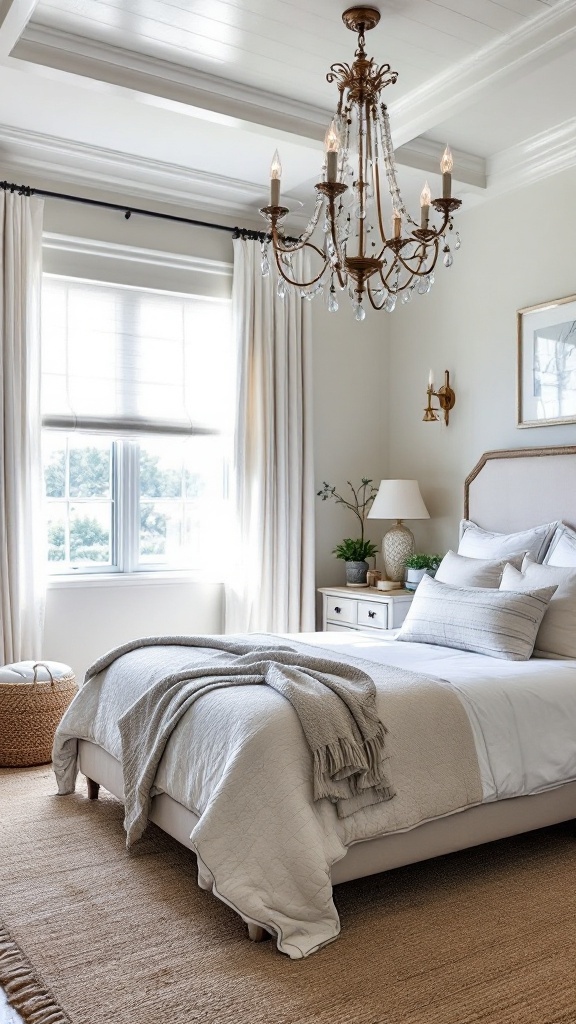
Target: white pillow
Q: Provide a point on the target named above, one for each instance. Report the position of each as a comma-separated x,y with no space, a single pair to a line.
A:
478,543
499,623
557,634
562,550
461,571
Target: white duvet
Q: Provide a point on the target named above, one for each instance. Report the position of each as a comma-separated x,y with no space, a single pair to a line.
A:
522,713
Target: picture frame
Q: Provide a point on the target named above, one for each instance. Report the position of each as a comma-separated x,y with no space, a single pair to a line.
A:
546,393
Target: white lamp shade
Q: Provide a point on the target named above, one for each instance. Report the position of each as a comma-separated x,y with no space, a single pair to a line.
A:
398,499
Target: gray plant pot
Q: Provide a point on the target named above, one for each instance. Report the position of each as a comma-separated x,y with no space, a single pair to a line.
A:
356,572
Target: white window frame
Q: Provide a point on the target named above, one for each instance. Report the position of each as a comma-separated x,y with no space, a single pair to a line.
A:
212,275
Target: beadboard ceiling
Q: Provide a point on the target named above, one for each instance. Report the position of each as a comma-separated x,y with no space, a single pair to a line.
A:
186,101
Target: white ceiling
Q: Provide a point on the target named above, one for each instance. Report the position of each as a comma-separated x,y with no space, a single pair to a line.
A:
187,100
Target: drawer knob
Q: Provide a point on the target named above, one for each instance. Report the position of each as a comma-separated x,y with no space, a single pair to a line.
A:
337,610
371,615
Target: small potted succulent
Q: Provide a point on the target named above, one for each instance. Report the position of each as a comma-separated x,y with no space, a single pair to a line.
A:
419,565
355,553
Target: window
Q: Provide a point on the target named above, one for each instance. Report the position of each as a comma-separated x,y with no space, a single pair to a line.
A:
137,398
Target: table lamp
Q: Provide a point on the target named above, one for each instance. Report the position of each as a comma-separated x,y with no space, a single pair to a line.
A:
398,499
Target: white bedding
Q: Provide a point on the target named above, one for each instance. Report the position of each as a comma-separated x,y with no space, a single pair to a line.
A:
522,713
266,845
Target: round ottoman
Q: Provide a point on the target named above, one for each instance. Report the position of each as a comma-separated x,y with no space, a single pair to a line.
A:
33,698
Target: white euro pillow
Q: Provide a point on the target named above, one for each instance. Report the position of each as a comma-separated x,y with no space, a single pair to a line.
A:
478,543
562,549
498,623
556,636
462,571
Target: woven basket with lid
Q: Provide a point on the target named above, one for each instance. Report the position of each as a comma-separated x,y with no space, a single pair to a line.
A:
33,698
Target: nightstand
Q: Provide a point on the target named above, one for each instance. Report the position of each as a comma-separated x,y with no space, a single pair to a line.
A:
369,610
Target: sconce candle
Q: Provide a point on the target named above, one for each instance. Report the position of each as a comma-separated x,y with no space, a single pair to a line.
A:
446,166
275,175
446,400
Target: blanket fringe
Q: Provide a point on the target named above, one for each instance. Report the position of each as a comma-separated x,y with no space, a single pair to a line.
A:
25,992
361,765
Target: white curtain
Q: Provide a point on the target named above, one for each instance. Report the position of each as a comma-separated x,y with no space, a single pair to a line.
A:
271,581
21,543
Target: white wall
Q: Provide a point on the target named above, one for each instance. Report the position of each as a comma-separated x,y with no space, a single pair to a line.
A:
86,619
350,428
517,250
349,439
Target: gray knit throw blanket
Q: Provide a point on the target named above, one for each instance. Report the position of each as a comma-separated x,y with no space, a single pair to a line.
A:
335,704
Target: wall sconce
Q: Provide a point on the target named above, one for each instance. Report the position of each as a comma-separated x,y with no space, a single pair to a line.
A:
446,399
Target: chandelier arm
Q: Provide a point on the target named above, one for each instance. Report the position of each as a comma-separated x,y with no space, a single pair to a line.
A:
372,300
422,257
438,232
302,240
299,284
410,270
384,277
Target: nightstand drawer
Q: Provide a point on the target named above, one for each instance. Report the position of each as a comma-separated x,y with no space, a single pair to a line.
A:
341,609
373,613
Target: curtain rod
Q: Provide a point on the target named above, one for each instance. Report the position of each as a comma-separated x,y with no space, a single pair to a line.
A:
236,232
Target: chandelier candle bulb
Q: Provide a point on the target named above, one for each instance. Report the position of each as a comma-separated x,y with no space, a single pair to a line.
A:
446,166
275,175
425,200
397,225
332,146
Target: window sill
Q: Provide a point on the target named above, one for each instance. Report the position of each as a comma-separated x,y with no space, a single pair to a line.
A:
134,579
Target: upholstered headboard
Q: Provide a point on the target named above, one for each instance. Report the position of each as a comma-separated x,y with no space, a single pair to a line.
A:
513,490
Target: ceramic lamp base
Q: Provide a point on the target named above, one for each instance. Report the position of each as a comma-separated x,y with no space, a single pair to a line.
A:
397,546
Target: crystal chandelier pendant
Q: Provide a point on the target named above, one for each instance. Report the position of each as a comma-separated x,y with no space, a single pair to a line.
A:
365,240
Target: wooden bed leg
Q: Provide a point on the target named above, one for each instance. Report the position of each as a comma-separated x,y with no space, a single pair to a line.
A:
256,933
93,788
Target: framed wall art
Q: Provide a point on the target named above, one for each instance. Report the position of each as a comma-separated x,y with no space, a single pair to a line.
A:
547,363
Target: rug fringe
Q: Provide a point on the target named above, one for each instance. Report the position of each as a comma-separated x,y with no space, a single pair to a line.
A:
25,992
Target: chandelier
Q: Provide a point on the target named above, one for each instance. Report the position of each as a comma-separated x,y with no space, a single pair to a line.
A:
373,256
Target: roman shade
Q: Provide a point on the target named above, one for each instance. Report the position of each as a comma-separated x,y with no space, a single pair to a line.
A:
127,360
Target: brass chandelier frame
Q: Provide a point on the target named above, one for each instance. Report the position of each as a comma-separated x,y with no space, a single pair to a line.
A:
385,264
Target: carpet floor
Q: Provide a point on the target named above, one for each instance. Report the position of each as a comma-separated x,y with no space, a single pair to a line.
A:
486,936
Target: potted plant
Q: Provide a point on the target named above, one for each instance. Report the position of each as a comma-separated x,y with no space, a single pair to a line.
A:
354,551
417,565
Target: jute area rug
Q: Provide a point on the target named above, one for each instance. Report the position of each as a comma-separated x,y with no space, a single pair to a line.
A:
98,936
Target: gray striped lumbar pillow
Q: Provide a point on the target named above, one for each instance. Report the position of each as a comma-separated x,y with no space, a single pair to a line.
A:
499,623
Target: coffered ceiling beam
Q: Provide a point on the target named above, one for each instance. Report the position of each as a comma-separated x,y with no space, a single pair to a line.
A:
209,96
14,16
537,42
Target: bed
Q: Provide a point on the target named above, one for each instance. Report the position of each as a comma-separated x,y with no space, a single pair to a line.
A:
507,492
